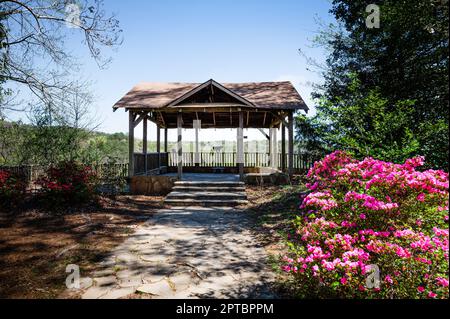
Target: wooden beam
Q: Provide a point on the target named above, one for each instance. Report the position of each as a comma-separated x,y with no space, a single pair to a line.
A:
139,119
158,144
131,144
166,143
264,121
274,148
197,149
270,146
144,144
206,84
291,144
214,118
240,146
280,118
144,136
248,117
179,145
158,139
264,133
162,119
283,148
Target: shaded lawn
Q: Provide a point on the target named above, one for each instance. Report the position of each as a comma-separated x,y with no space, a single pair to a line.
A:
36,246
274,209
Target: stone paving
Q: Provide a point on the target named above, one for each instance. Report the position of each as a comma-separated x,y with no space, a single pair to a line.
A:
186,252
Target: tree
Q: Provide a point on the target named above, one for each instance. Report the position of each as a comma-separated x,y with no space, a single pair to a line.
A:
32,47
365,125
405,60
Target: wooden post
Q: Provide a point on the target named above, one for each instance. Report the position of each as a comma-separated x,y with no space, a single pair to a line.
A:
165,140
240,146
283,148
270,147
158,145
291,144
130,143
144,143
197,126
180,145
274,148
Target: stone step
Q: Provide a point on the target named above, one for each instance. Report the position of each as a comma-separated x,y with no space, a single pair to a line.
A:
206,195
205,203
209,184
208,188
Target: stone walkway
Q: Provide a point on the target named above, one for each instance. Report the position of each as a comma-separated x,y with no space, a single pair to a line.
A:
186,253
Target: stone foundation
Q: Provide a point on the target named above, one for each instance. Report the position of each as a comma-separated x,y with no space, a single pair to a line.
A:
265,175
151,185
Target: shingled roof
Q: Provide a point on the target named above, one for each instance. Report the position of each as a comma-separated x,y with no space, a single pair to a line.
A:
260,95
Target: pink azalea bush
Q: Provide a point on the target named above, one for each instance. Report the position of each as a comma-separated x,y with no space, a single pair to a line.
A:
12,189
370,212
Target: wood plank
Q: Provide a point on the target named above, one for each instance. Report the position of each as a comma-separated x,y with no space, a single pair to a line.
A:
141,117
291,144
144,144
158,144
283,148
162,119
241,145
131,117
166,142
180,145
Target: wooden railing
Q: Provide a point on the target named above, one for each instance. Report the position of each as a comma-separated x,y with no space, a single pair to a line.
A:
155,161
228,159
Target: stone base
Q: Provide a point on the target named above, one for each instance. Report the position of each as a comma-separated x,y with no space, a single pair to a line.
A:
151,185
265,175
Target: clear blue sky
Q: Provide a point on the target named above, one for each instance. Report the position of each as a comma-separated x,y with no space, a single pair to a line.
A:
195,40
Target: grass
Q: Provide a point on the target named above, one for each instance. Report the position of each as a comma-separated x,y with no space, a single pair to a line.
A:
274,208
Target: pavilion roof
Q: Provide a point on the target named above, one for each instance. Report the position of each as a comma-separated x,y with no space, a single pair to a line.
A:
259,95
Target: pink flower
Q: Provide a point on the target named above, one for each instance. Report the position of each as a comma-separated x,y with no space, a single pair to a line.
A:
432,294
442,281
421,197
420,289
362,216
388,279
343,280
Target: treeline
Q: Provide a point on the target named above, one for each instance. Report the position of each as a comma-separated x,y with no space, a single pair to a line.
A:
26,144
42,145
385,92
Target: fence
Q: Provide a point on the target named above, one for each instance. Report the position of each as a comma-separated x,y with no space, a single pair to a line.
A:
112,173
228,159
107,173
154,162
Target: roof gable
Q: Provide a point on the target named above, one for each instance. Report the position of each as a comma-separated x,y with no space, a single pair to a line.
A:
210,92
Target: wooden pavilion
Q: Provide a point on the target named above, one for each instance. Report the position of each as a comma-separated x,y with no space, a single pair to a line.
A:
259,105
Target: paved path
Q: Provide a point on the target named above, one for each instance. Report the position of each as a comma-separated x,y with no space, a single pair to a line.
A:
186,253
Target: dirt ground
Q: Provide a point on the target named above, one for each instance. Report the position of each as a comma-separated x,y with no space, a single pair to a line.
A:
36,246
273,208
